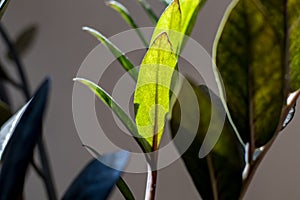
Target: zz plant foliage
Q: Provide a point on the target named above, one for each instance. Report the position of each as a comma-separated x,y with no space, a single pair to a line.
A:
256,52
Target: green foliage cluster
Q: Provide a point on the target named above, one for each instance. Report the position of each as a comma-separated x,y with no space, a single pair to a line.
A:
256,52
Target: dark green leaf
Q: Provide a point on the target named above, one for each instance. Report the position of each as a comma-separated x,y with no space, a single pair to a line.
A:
219,174
126,16
3,6
124,61
19,151
250,56
125,119
147,8
24,41
98,178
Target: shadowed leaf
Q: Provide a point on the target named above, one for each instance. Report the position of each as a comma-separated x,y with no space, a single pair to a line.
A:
24,41
125,119
123,60
219,174
250,56
19,150
98,178
121,184
4,116
294,40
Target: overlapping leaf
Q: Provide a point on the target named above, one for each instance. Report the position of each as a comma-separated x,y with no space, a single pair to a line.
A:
98,178
251,57
219,174
19,150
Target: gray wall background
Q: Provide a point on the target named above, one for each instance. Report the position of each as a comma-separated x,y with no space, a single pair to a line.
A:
58,51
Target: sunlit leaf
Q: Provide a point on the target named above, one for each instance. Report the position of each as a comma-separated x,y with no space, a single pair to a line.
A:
127,17
219,174
152,90
19,150
98,178
125,119
124,61
250,57
178,20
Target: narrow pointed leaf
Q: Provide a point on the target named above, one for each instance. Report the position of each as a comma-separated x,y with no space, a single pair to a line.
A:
147,8
126,16
219,174
3,6
125,119
121,184
250,55
170,22
19,150
98,178
178,20
152,89
123,60
8,128
24,40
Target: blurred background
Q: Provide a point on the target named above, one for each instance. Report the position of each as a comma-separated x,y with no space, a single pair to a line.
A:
58,51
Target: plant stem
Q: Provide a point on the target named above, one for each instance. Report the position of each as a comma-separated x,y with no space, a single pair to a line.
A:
47,178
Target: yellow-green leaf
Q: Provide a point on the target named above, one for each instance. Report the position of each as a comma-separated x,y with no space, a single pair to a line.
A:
152,90
178,20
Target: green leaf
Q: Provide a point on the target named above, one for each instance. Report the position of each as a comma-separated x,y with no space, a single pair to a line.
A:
123,60
121,184
250,56
98,178
147,8
25,133
126,16
125,119
24,40
170,22
178,20
294,28
3,6
219,174
152,89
